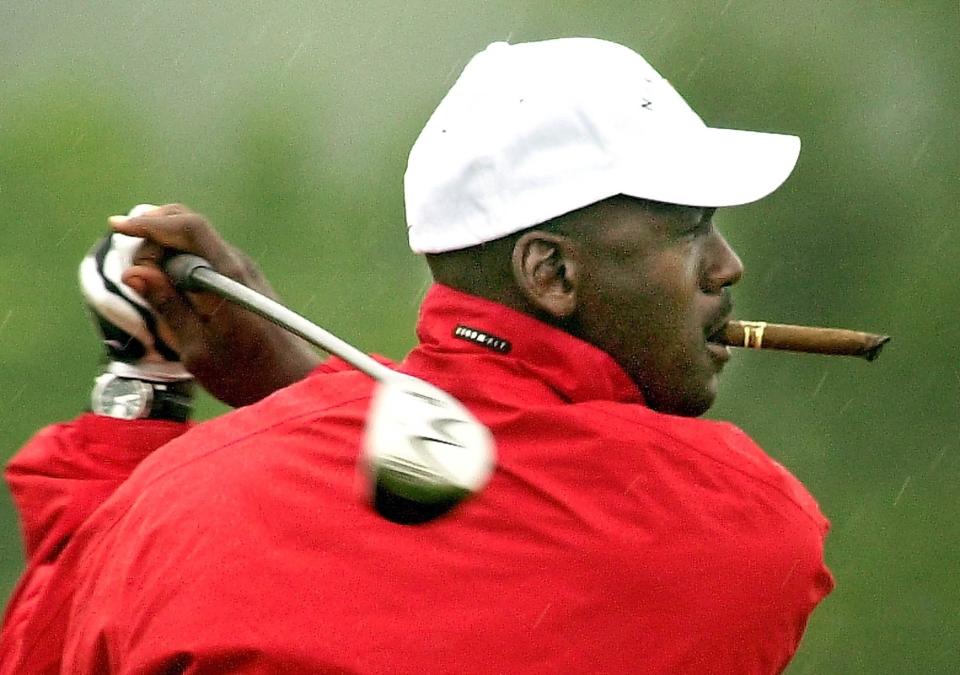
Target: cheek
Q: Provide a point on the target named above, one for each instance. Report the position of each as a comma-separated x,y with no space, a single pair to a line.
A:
672,356
651,313
642,311
672,287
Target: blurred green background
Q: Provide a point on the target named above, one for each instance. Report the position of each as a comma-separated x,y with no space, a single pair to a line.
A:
288,125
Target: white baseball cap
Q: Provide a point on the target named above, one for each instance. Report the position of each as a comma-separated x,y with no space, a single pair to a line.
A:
534,130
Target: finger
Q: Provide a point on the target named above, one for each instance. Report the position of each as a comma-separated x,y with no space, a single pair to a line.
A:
174,310
171,226
142,210
148,253
152,210
188,232
151,254
201,305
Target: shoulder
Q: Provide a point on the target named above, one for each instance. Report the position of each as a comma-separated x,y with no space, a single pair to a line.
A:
208,469
320,395
212,497
703,445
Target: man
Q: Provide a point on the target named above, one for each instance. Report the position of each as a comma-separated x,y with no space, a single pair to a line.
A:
564,195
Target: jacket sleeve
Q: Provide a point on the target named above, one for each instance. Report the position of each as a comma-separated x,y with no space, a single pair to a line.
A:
57,480
67,470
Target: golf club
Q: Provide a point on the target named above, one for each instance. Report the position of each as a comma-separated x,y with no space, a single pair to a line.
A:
422,450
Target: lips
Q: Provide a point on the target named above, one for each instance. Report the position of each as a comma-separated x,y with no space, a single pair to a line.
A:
715,328
714,331
719,352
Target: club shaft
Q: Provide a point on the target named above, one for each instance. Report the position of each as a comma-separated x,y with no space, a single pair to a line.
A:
193,273
808,339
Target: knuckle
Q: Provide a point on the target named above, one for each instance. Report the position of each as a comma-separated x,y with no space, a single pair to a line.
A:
188,227
233,266
250,269
246,269
195,228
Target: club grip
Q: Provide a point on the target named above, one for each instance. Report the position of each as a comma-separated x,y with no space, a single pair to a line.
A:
181,267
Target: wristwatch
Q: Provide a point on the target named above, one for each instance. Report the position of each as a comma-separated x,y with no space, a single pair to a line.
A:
129,398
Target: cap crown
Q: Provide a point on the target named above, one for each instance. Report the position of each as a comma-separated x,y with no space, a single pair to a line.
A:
532,131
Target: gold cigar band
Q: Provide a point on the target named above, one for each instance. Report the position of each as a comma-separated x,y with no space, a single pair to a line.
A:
753,333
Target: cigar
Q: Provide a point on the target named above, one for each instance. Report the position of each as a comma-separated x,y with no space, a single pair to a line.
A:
833,341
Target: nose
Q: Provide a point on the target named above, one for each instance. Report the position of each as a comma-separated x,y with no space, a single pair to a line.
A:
723,266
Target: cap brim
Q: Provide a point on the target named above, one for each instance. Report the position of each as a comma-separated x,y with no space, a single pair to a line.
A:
711,167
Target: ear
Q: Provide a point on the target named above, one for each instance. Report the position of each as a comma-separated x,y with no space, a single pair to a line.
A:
546,269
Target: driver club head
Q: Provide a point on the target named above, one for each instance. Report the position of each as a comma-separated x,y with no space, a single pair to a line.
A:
423,451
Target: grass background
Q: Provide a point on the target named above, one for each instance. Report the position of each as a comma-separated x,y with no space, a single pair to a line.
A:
288,125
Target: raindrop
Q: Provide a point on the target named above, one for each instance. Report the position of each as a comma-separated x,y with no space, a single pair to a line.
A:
820,384
920,152
542,614
16,397
846,405
696,67
902,490
6,319
296,53
939,458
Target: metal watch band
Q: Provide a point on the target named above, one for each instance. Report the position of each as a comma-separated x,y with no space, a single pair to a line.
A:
171,401
134,398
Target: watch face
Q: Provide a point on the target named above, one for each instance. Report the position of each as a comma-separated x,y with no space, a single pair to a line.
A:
121,398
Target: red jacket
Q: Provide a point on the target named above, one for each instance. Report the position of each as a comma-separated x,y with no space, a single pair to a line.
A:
611,539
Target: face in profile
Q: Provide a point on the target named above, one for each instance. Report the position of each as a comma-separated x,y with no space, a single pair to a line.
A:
653,288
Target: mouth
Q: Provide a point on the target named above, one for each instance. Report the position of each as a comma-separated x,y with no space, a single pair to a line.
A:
718,351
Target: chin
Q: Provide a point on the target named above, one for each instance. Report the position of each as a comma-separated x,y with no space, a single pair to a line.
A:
691,402
694,409
682,386
692,406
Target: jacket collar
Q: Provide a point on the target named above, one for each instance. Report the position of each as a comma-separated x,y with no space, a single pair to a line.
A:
455,322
